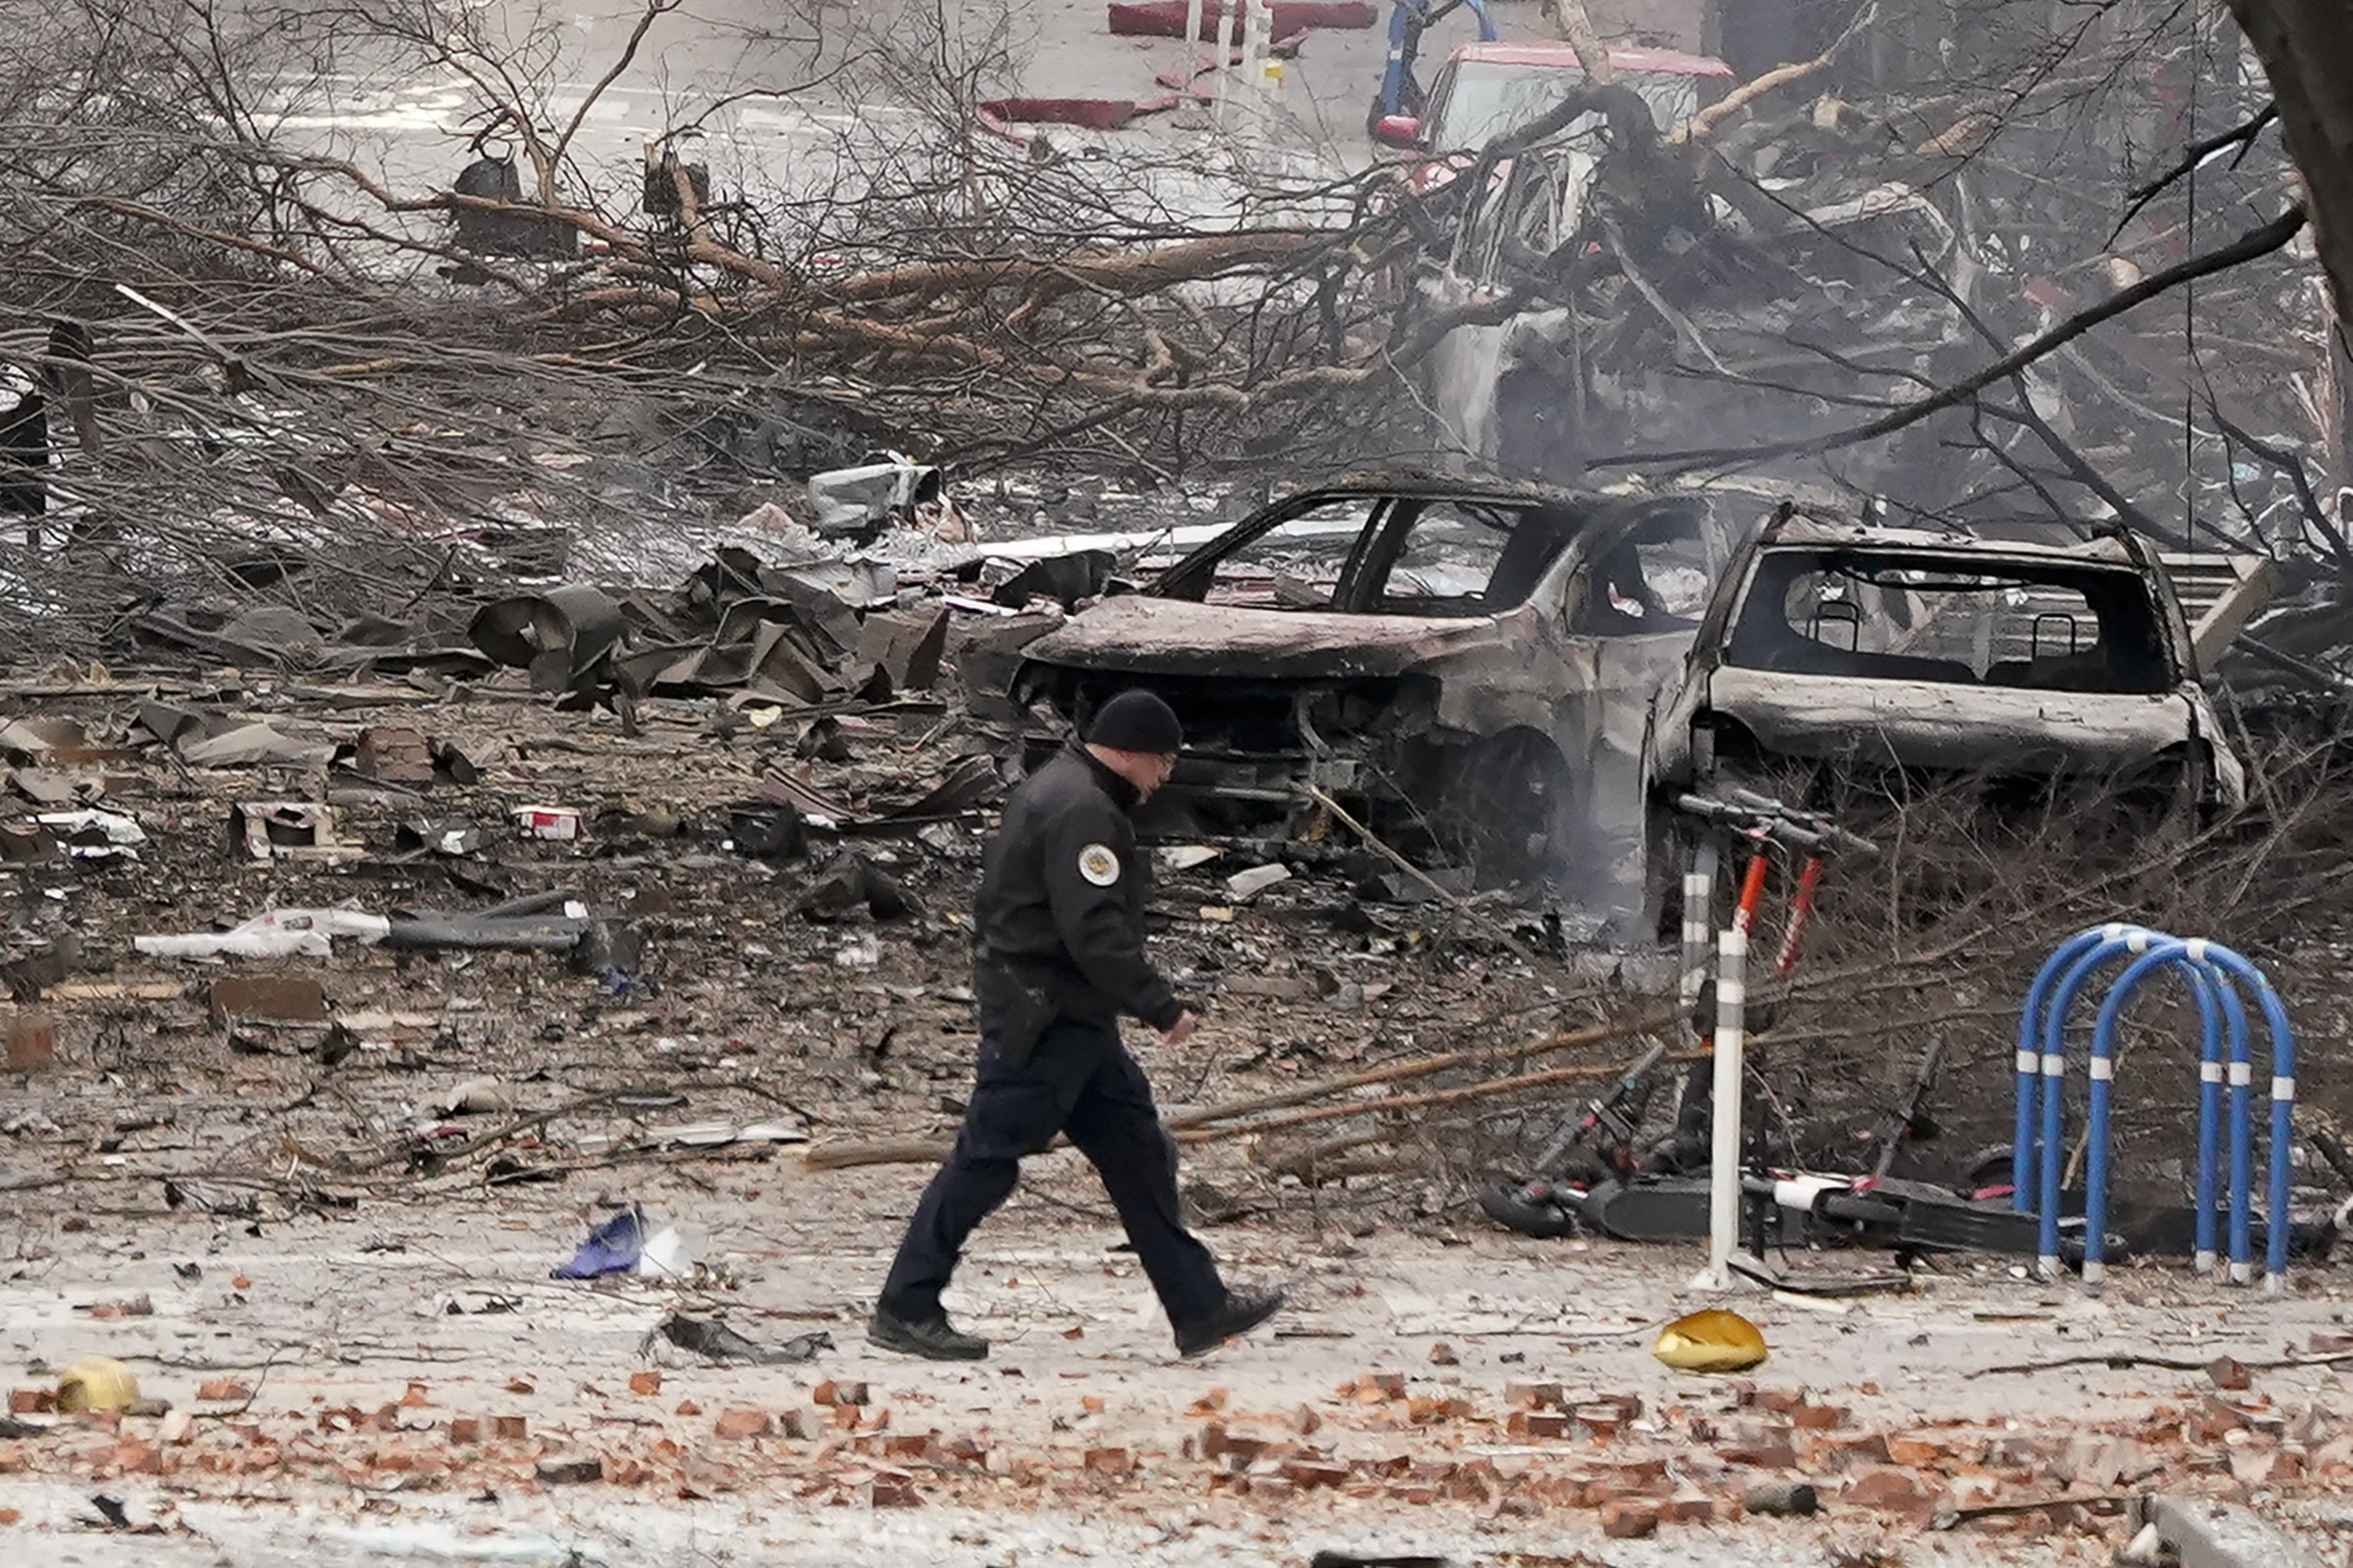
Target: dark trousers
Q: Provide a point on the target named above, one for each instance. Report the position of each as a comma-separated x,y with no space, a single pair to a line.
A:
1079,1081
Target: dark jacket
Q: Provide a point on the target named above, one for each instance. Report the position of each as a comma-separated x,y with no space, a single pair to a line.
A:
1061,909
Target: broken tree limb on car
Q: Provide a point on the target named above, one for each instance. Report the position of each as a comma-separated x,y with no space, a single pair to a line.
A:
1706,122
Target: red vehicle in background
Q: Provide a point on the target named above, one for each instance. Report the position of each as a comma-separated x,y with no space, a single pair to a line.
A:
1486,91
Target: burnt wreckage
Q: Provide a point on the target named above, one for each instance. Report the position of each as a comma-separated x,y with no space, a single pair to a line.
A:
1837,650
1468,663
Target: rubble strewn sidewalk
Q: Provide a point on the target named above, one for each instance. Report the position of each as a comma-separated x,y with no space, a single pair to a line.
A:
1474,1399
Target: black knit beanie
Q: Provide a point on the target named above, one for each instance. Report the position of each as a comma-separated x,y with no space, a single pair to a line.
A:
1136,721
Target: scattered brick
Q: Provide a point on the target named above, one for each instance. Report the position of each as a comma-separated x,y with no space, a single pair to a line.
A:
570,1472
1308,1474
224,1390
1758,1446
1913,1449
1890,1488
1217,1443
1629,1521
1109,1461
134,1458
1849,1450
1533,1395
1442,1355
2229,1373
509,1429
742,1423
465,1430
646,1382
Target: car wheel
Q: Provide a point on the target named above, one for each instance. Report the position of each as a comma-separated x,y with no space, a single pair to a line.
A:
1509,1205
1516,810
1663,855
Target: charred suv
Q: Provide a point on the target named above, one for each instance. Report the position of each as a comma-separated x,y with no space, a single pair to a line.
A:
1470,664
1845,651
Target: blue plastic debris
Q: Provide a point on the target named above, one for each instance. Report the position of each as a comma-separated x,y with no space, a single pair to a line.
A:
611,1248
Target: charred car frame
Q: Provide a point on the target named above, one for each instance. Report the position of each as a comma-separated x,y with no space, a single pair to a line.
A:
1469,663
1845,653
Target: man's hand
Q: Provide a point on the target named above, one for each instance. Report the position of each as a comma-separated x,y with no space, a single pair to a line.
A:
1186,1022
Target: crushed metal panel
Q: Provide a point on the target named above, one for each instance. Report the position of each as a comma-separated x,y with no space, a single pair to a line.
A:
1940,725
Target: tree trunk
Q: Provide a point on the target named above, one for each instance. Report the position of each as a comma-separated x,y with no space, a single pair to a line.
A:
2303,45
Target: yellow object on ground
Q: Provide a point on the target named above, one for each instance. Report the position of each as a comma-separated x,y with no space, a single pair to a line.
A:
97,1383
1712,1340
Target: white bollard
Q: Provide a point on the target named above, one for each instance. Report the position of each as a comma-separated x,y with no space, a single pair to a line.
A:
1230,30
1724,1154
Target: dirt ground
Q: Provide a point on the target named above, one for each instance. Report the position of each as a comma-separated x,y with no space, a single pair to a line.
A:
342,1293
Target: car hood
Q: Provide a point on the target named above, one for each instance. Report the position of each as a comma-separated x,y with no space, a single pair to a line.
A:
1175,637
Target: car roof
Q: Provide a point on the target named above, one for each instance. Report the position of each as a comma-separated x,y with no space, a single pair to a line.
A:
1815,534
1622,56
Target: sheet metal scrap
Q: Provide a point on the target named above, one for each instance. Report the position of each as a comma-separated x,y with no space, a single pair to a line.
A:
712,1339
970,783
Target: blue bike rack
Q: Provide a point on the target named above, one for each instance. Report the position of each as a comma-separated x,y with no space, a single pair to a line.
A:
2220,981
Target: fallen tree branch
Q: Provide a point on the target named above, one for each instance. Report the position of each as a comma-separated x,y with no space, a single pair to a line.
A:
1454,901
2254,243
910,1151
2164,1363
1421,1101
1700,126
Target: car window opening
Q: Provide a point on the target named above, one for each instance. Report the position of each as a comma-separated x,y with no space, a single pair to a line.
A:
2063,629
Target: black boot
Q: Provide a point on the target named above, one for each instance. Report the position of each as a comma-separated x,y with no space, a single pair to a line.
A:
1242,1311
933,1339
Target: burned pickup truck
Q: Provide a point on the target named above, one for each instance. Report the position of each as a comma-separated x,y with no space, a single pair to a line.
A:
1468,663
1899,656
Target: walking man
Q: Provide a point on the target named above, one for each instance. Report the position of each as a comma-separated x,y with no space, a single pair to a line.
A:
1057,956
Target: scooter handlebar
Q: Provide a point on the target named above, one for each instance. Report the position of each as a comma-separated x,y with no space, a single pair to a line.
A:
1753,813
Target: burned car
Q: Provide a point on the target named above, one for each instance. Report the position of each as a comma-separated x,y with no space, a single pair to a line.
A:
1469,664
1834,651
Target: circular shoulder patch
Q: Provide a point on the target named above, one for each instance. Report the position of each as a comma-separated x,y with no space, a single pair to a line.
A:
1098,865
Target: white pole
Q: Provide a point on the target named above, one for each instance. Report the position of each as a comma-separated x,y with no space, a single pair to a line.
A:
1229,27
1191,69
1258,33
1699,900
1724,1157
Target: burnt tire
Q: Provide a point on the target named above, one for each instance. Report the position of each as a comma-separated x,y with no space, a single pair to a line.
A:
1508,1204
1515,810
